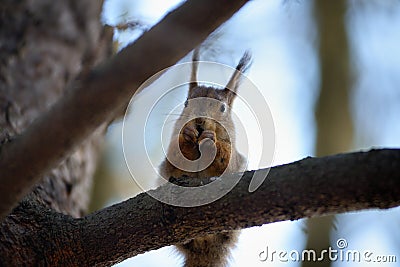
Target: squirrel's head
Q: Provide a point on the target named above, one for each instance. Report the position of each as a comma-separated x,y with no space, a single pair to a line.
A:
211,106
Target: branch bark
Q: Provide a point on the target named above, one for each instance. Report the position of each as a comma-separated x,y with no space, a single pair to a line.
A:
95,96
307,188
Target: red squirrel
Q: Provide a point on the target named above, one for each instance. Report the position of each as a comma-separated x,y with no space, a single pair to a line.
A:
214,127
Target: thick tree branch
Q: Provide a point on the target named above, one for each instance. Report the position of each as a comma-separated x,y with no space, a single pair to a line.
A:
97,95
307,188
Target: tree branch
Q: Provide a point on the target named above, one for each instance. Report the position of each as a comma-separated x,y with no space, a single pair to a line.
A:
95,96
307,188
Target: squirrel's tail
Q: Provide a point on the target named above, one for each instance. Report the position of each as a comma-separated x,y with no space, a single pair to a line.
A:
209,251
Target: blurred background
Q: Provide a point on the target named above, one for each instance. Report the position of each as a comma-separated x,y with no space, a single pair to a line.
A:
330,72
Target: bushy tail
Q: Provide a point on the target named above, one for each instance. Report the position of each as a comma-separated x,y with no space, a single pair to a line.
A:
208,251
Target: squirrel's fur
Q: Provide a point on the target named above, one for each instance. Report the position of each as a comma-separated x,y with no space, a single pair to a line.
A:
210,250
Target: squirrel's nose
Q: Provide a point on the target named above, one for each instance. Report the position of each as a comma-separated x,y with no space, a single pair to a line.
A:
199,121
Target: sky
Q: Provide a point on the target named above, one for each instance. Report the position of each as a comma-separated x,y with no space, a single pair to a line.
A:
282,38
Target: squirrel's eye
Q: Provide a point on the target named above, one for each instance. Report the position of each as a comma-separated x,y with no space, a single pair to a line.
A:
186,103
222,108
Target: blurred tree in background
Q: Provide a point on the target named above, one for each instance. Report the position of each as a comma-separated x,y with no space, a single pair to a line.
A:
333,114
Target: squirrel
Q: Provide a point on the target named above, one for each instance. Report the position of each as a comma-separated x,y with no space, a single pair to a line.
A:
212,125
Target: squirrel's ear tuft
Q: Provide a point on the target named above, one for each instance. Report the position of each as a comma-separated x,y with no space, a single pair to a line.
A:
234,82
195,64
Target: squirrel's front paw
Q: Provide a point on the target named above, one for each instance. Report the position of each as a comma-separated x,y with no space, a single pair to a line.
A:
190,134
207,134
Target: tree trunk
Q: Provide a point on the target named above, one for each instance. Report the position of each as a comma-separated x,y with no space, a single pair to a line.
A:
43,47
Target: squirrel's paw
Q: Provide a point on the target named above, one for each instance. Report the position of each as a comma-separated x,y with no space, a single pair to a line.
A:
207,134
190,134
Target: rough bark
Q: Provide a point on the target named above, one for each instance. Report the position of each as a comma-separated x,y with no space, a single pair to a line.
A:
43,47
307,188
